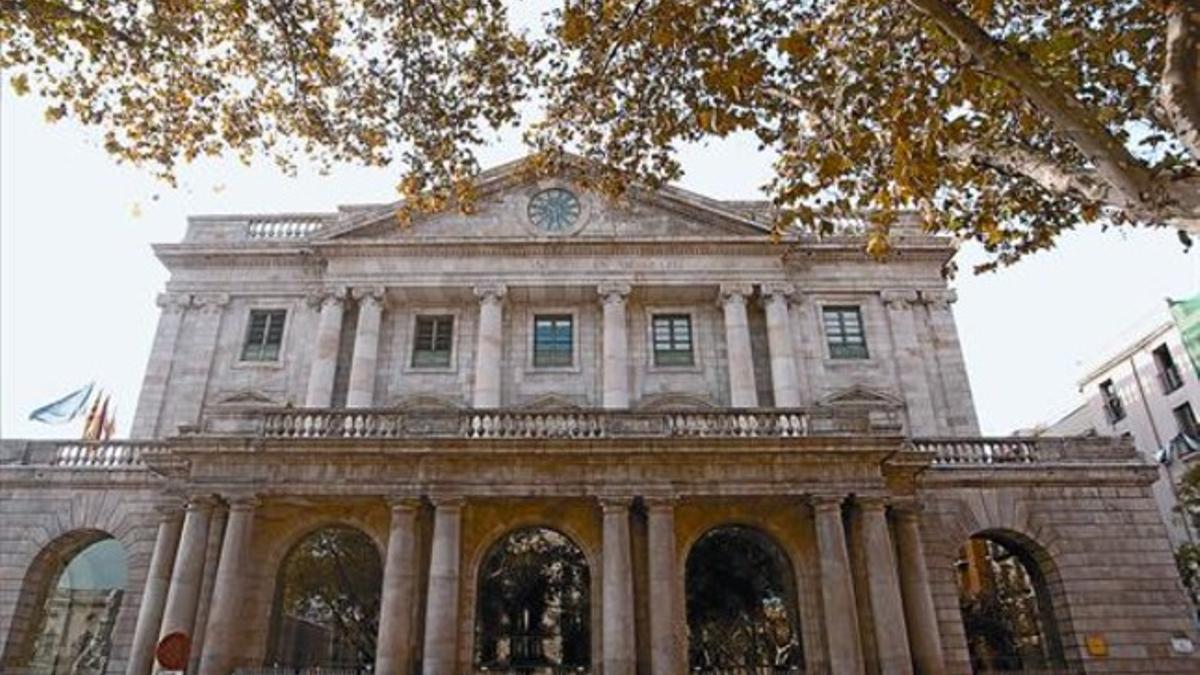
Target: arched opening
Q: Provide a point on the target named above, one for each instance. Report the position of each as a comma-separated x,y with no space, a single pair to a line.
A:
73,590
326,612
741,605
534,609
1006,608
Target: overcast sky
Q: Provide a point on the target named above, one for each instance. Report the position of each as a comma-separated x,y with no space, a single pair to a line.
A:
78,279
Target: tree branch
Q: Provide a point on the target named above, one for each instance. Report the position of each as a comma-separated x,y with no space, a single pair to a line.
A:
1113,161
1180,96
60,10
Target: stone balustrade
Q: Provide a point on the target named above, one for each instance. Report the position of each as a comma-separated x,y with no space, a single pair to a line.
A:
284,227
993,451
565,424
77,454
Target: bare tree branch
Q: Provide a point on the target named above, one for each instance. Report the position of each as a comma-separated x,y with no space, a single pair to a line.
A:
1113,161
1181,73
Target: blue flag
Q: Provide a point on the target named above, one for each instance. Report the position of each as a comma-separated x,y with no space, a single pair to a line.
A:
64,409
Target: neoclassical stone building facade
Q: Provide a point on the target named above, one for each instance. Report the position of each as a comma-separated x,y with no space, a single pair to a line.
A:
647,399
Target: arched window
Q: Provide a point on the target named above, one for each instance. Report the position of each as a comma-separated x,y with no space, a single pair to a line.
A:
1006,609
327,602
741,605
534,611
75,588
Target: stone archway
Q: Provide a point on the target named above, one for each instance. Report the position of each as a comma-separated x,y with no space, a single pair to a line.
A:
68,606
327,597
741,604
1007,605
533,611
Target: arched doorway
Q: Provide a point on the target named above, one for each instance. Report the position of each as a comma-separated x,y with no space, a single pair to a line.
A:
326,612
741,605
534,608
1006,608
74,590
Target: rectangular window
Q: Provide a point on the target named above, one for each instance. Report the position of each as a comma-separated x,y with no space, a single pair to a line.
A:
1185,421
673,340
553,340
264,335
1113,407
433,341
844,333
1168,373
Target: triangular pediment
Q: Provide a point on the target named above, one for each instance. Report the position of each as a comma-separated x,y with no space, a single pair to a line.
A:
861,396
512,205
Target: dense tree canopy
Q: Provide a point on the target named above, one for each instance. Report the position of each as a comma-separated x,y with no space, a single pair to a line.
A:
1002,120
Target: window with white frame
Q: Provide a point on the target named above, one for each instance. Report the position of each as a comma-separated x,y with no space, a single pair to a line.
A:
672,338
844,332
433,341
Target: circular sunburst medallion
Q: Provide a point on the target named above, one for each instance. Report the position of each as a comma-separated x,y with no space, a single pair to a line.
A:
554,211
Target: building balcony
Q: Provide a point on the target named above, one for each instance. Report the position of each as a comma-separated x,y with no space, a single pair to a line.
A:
309,426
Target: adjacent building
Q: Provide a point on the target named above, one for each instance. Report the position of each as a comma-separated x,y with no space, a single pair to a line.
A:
1145,388
565,433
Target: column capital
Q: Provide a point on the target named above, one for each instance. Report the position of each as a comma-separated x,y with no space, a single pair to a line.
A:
491,292
369,294
735,292
242,501
826,502
200,502
907,509
660,503
940,299
327,296
871,502
613,291
169,508
447,502
614,504
404,503
894,298
211,303
778,290
173,303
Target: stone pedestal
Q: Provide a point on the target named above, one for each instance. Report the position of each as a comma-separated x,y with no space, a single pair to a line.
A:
489,355
619,644
616,346
743,392
394,653
441,613
187,575
924,638
154,595
222,637
361,393
777,298
837,587
883,585
325,351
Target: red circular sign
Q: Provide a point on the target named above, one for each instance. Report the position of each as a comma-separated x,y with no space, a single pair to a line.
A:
172,652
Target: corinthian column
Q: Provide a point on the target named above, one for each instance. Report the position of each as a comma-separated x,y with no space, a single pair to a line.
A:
222,636
837,587
910,366
187,575
361,392
883,585
779,341
394,654
154,595
924,638
489,353
664,604
441,610
742,391
616,346
617,589
158,370
324,363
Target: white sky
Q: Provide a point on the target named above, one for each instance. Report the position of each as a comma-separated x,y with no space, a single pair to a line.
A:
78,279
